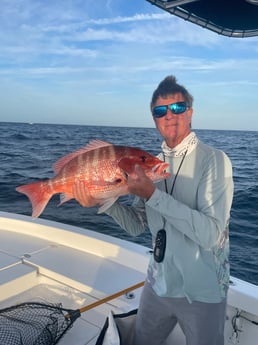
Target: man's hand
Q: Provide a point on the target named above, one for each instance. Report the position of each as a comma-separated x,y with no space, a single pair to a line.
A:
139,184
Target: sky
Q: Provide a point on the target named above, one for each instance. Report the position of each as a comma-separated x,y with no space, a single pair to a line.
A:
94,62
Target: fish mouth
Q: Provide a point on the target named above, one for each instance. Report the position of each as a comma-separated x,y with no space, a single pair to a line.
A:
159,170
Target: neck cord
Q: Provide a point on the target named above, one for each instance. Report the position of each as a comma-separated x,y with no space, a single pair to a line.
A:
180,165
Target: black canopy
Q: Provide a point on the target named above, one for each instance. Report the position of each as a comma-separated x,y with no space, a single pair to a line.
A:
234,18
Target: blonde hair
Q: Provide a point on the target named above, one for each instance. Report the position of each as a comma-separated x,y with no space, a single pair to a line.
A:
169,86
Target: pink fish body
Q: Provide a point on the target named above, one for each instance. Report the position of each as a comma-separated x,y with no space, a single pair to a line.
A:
102,169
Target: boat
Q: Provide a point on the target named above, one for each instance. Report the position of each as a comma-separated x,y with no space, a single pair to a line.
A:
49,262
231,18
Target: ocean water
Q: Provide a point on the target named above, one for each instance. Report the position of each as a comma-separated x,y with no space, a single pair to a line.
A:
28,152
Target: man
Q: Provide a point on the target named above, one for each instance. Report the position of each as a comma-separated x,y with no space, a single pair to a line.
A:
188,274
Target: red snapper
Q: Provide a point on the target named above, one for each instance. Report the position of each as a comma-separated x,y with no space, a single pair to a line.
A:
102,169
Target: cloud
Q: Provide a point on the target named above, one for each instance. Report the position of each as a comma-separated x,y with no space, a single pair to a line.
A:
112,48
105,21
141,17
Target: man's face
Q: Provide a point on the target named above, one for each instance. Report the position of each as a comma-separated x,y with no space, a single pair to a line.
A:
173,127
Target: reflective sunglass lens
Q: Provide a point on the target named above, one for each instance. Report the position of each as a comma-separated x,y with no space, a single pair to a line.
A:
178,108
160,111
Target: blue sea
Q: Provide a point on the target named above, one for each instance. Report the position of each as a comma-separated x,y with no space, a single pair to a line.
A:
28,152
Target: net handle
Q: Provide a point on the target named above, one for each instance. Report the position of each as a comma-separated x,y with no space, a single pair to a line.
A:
110,297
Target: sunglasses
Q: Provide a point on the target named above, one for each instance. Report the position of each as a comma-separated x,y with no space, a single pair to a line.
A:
175,108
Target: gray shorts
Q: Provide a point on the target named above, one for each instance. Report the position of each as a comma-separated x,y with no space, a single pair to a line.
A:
202,323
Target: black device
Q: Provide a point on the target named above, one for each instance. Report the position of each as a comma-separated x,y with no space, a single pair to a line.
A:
160,246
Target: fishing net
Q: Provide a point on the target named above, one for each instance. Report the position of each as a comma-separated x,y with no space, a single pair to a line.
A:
35,324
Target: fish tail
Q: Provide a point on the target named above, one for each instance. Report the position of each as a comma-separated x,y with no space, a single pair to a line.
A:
39,195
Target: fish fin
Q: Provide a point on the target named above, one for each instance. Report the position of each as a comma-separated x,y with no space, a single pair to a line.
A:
81,193
127,164
92,145
106,204
64,197
96,144
38,195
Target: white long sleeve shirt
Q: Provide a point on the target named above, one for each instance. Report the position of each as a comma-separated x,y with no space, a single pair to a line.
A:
195,218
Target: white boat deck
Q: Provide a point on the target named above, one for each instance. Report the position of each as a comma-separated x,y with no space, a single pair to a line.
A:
75,269
55,263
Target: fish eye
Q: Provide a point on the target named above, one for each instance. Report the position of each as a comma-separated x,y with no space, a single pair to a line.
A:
118,180
143,158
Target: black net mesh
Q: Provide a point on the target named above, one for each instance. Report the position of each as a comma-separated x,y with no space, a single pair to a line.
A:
34,324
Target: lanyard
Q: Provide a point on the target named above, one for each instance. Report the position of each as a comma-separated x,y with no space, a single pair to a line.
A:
180,165
160,242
